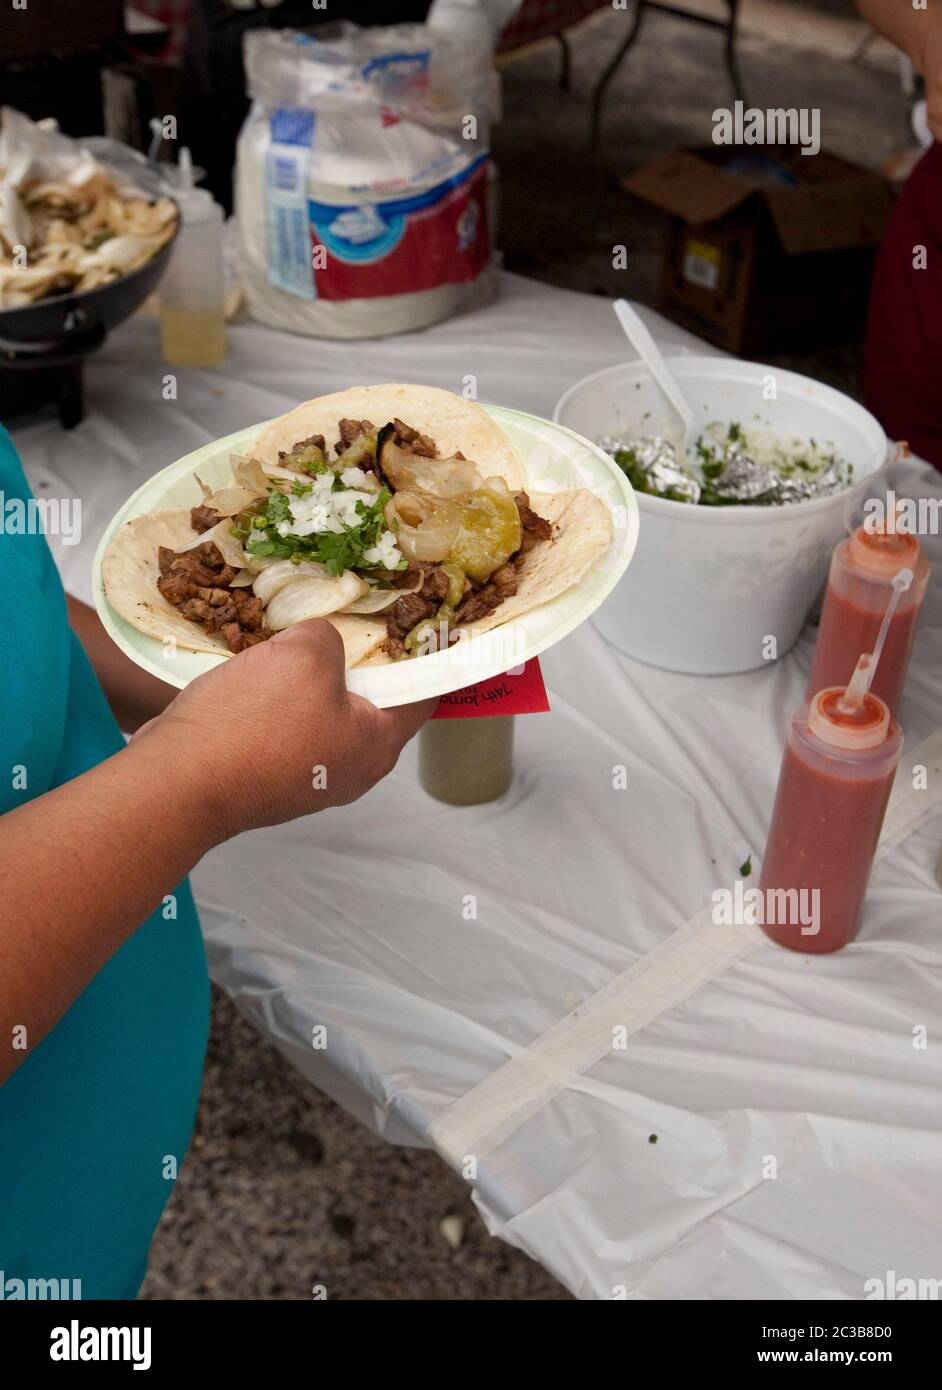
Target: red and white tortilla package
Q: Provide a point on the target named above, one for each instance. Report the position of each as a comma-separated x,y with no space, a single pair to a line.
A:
362,179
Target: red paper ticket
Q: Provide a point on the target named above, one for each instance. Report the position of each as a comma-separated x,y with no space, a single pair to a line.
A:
522,692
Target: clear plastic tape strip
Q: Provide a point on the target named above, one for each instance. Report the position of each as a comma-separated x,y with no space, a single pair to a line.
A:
480,1121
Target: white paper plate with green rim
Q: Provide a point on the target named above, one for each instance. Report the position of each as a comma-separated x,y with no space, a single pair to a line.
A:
556,460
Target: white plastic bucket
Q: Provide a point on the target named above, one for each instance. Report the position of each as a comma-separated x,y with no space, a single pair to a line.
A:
709,586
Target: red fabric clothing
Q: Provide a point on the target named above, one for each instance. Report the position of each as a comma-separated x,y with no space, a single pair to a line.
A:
903,352
176,15
538,19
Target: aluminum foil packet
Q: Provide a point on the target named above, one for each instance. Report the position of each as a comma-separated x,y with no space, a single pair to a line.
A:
730,474
654,459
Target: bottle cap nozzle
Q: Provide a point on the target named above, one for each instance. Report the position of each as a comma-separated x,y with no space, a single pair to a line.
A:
185,166
864,726
882,544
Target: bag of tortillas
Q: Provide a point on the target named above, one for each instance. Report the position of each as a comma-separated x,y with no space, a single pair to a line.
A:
362,177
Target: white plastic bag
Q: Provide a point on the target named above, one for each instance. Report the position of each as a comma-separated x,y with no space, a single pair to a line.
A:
473,19
361,179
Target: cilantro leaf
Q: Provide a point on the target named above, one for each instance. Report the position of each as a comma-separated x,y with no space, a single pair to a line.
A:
336,550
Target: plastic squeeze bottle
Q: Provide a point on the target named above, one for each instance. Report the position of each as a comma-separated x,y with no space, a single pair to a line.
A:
840,759
859,587
192,318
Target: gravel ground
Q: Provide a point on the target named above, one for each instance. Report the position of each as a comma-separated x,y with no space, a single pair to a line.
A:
282,1190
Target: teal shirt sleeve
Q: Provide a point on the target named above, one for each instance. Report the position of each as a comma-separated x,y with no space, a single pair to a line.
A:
95,1123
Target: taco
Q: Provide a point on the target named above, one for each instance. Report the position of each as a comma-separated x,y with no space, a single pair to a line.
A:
400,513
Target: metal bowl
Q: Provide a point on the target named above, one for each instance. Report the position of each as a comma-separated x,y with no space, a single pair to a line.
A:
58,330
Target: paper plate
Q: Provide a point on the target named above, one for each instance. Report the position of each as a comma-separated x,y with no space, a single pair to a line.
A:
556,460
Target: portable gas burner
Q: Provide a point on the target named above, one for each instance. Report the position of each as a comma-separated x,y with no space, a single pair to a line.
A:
43,346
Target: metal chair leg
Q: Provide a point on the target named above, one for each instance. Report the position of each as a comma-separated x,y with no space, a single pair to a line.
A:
565,62
732,61
609,72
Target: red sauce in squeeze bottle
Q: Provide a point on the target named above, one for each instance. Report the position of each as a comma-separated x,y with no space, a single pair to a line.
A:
859,585
833,789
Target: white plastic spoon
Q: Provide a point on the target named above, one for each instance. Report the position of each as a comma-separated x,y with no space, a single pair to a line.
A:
647,349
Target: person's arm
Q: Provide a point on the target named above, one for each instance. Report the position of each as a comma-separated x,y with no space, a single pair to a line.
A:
83,865
133,694
918,33
897,20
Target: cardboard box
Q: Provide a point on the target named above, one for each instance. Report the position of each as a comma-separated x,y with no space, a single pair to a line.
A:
766,249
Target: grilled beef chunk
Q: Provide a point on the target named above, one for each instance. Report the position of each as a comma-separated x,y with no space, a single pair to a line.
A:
349,431
215,597
233,635
502,584
195,570
535,528
435,585
223,614
408,438
203,518
405,579
415,607
436,580
316,439
177,588
406,612
197,610
187,567
250,609
198,582
211,556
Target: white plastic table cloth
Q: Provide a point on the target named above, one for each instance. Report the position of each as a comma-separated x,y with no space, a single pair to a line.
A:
651,1109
